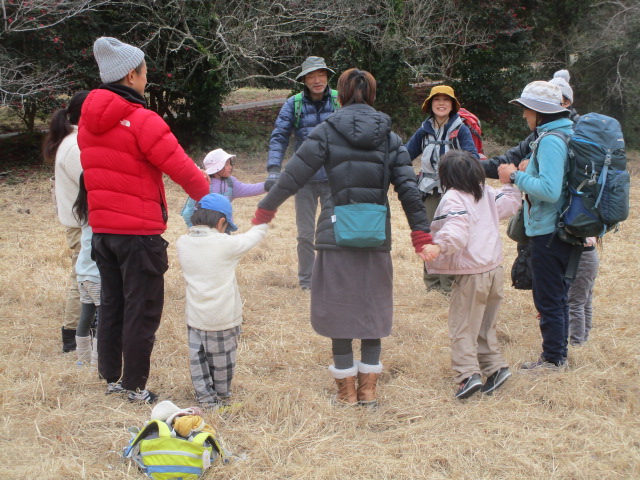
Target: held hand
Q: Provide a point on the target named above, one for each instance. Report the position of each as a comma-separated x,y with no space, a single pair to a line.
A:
263,216
523,165
272,178
430,252
504,171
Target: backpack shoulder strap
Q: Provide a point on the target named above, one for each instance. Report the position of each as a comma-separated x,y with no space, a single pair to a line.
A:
297,109
560,207
153,425
334,100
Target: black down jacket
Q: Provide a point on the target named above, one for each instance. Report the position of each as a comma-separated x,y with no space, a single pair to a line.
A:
351,145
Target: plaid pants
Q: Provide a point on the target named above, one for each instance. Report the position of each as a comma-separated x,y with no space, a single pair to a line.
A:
212,361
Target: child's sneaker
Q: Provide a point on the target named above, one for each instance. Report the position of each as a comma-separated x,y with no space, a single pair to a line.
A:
142,396
114,388
469,386
495,380
220,405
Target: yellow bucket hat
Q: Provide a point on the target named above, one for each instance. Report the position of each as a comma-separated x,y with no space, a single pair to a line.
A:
440,89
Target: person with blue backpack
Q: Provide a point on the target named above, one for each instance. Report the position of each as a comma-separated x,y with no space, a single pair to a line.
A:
521,269
545,188
300,114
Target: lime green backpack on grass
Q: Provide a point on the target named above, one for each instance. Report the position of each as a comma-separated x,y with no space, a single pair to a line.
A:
163,456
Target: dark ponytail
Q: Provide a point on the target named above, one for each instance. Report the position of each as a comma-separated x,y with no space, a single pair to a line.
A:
81,205
61,125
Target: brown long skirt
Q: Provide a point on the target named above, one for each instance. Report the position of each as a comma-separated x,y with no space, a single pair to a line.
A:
352,294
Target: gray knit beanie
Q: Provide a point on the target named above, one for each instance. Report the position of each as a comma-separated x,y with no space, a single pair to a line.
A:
561,78
115,59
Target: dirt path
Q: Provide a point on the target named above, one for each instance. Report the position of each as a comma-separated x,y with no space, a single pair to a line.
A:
248,105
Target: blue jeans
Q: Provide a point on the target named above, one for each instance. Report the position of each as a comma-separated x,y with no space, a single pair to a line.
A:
306,207
550,289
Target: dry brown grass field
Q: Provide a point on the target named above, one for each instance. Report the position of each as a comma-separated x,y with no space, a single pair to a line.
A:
57,422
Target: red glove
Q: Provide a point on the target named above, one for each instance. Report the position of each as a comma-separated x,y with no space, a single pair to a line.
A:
263,216
420,239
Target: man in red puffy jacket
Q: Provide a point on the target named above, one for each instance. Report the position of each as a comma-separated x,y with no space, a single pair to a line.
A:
125,149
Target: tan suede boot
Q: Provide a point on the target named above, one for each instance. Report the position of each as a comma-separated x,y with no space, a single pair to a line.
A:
367,382
346,381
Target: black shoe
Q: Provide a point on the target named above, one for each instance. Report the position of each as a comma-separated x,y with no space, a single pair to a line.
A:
495,380
469,386
114,388
142,396
68,340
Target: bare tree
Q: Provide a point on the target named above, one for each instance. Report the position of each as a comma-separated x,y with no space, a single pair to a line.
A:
21,78
264,39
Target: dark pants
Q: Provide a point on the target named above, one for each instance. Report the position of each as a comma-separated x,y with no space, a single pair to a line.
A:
306,201
550,288
131,300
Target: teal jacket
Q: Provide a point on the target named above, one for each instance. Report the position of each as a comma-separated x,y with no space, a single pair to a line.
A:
543,181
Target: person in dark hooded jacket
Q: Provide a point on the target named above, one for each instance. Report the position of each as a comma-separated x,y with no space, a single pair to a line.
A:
352,288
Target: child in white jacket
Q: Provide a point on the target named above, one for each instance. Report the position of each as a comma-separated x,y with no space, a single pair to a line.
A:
209,257
467,244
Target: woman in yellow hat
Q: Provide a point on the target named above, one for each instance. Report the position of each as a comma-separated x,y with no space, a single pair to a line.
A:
443,130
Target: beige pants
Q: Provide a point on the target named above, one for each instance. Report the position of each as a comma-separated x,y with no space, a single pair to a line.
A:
73,305
473,315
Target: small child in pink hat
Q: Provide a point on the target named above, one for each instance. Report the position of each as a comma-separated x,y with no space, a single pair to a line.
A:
218,164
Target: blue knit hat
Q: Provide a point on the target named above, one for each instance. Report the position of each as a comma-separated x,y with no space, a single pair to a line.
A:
218,203
115,59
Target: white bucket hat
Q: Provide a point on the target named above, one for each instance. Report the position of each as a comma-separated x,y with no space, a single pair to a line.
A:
311,64
216,160
542,97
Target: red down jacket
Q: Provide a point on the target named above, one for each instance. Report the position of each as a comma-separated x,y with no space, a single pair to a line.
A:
124,150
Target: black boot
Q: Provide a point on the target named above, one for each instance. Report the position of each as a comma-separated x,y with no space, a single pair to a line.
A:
68,340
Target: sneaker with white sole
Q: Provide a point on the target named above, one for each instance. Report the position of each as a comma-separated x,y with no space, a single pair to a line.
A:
469,386
114,388
142,396
496,379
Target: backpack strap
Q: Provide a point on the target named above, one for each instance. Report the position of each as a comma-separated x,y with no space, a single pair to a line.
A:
153,425
334,100
453,138
297,106
297,109
567,165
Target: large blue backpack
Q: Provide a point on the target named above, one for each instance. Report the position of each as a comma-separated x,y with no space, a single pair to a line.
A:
597,178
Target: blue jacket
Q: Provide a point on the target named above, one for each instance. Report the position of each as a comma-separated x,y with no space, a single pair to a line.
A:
414,145
544,179
311,115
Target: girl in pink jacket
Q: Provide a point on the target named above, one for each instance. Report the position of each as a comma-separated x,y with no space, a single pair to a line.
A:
467,244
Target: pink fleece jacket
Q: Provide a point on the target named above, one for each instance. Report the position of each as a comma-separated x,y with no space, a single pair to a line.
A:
468,231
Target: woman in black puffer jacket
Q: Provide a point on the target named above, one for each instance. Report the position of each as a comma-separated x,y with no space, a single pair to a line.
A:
352,288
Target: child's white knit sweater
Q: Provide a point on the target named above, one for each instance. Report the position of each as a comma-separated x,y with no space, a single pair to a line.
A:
209,259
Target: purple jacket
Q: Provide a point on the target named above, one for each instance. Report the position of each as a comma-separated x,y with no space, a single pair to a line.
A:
229,187
468,231
238,188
